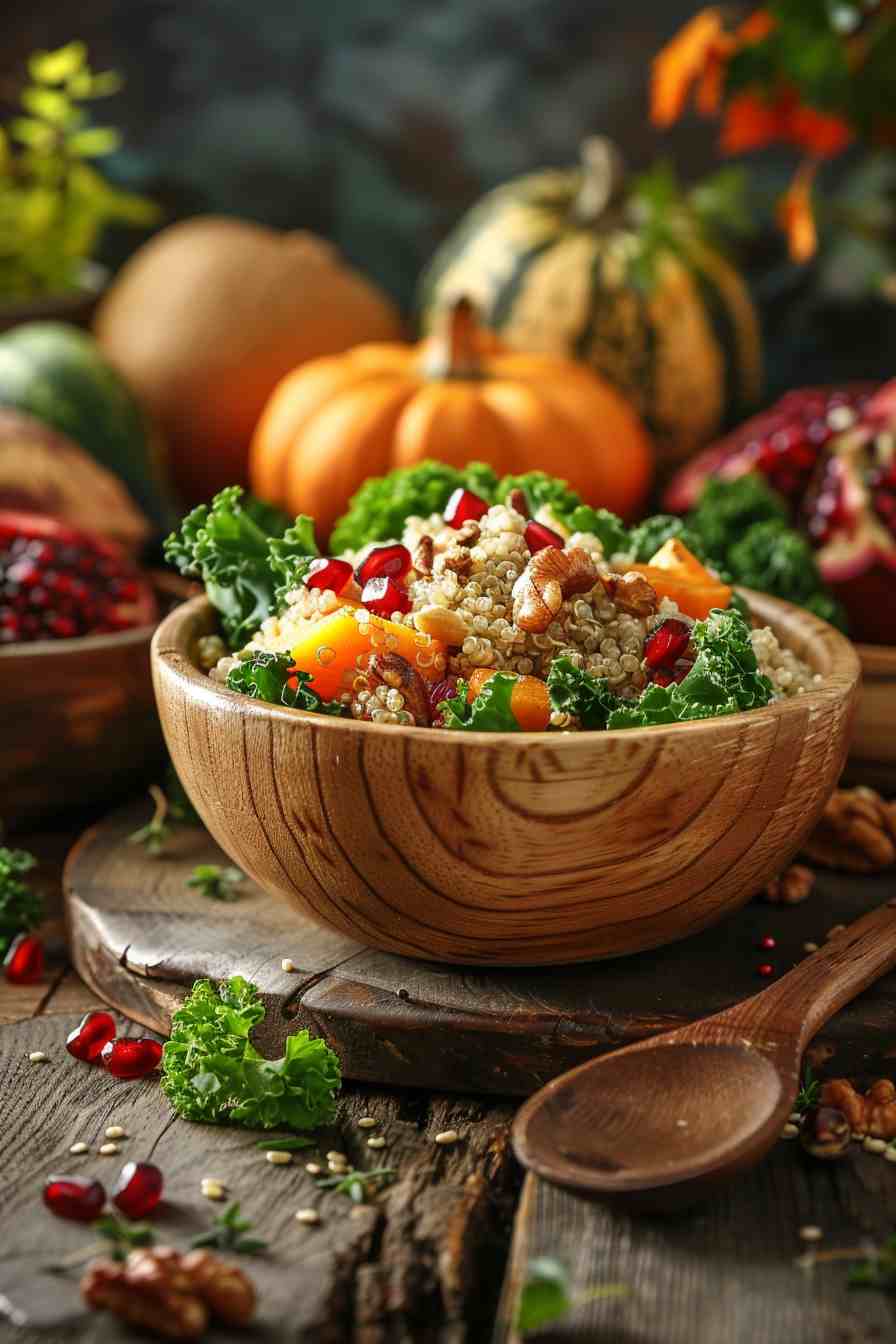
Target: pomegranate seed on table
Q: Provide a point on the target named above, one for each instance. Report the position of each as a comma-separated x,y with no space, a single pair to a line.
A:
87,1040
538,537
328,572
74,1197
384,562
138,1190
24,962
131,1057
464,507
667,643
383,596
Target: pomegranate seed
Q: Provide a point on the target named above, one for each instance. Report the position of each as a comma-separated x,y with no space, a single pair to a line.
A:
24,962
765,970
384,562
90,1036
74,1197
666,644
767,942
327,572
129,1057
538,537
138,1190
383,596
464,507
443,690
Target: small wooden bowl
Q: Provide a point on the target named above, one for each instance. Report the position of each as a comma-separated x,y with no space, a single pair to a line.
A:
79,721
872,755
516,849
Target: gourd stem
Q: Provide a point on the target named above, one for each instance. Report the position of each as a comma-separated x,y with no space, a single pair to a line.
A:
603,176
453,349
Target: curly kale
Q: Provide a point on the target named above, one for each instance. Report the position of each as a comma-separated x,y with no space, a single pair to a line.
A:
272,676
377,511
725,679
20,907
610,531
574,690
488,712
213,1074
727,509
246,572
772,558
647,538
541,491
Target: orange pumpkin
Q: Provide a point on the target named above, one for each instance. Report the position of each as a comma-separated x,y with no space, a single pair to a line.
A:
208,316
457,397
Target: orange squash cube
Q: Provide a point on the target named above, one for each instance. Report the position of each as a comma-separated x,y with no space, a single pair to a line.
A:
333,650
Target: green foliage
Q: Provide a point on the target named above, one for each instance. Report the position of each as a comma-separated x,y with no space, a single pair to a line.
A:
377,512
228,1233
772,558
545,1295
122,1236
268,676
358,1185
213,1074
541,491
726,510
246,571
215,882
20,907
725,679
609,530
878,1271
810,1091
649,536
489,712
294,1144
573,690
54,204
669,219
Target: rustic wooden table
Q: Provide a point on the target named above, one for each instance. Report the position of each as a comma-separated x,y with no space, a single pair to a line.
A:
443,1252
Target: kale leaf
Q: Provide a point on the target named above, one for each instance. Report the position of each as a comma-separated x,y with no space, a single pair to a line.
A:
272,676
649,536
541,491
20,907
727,509
377,512
610,531
772,558
213,1074
489,712
573,690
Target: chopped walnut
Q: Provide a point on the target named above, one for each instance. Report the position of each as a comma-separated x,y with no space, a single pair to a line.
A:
169,1293
469,534
550,576
791,887
842,1096
228,1293
632,593
857,832
423,553
395,672
880,1108
457,558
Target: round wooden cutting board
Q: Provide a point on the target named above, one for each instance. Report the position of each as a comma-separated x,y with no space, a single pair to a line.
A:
140,937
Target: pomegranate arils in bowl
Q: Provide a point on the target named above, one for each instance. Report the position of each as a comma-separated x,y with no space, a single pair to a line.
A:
138,1190
538,537
667,643
24,961
328,573
93,1032
383,596
131,1057
74,1197
384,562
464,507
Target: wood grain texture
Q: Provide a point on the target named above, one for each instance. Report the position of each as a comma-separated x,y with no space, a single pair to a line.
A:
726,1273
422,1264
141,937
872,755
79,721
516,849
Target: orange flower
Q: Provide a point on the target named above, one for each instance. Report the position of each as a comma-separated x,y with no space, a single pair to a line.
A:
795,215
682,62
751,122
817,132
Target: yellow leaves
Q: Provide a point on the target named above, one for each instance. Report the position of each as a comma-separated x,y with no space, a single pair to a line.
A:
795,215
55,67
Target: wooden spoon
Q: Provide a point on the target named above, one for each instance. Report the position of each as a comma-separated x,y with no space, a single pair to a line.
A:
656,1124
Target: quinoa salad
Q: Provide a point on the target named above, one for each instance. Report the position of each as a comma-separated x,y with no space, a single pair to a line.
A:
494,616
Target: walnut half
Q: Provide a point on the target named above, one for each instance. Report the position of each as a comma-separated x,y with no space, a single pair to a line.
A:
171,1294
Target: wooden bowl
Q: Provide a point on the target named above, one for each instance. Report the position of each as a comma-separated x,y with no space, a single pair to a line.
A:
516,849
872,756
79,720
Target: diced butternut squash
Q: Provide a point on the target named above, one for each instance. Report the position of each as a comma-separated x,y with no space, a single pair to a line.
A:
529,702
331,648
676,573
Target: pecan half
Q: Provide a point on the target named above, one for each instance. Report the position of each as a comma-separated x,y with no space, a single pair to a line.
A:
857,832
632,593
390,669
457,558
550,576
469,534
791,887
422,557
516,500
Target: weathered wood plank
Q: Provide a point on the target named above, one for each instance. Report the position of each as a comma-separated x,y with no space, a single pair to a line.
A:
726,1271
421,1266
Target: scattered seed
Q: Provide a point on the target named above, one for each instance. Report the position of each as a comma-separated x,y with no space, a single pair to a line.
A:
832,933
278,1159
447,1136
379,1142
338,1168
858,1135
38,1057
213,1189
810,947
115,1132
795,1118
875,1145
107,1149
890,1155
811,1233
313,1168
789,1131
333,1156
78,1148
287,964
682,1124
367,1122
309,1216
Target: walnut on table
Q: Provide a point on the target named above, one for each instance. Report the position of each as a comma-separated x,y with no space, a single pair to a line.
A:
791,887
873,1114
857,832
171,1294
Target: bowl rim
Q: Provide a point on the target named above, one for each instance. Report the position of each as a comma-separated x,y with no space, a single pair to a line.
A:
841,682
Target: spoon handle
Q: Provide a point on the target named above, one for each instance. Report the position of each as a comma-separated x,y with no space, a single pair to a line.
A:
800,1003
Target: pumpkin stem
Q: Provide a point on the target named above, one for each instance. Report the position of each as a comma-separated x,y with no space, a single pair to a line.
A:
453,350
603,176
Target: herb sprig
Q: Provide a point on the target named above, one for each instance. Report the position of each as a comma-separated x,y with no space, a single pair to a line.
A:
358,1185
21,908
215,882
810,1090
547,1296
228,1233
